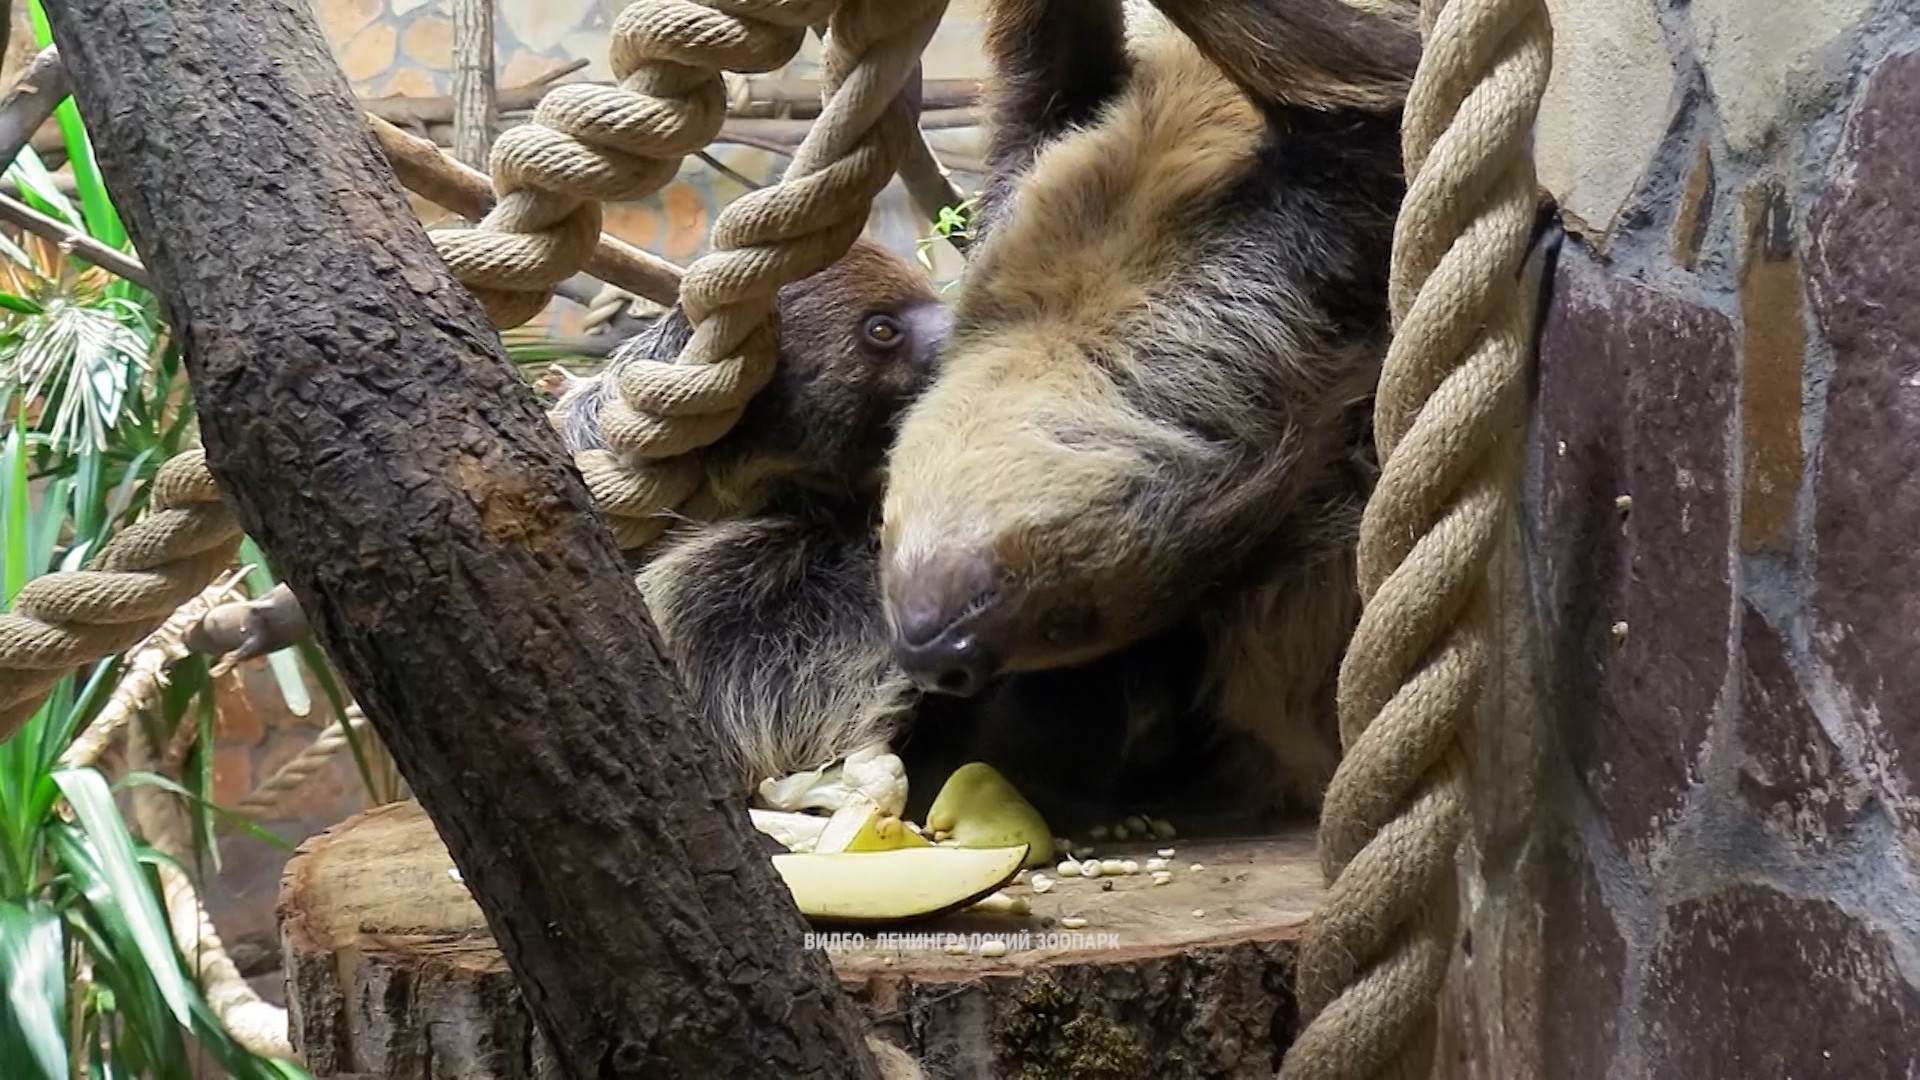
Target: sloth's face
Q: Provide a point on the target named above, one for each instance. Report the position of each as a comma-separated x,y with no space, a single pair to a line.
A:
1037,517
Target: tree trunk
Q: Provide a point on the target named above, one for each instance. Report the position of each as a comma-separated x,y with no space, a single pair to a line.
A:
390,971
475,109
359,411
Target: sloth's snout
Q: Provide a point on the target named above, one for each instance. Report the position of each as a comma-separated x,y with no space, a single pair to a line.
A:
941,609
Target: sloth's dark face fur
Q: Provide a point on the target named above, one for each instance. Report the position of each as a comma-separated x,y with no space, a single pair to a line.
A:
1160,353
859,341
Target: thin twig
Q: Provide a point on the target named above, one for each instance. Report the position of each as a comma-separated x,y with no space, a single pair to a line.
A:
73,241
726,170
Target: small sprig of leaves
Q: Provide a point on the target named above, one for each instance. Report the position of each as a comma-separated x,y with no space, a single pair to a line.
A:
954,225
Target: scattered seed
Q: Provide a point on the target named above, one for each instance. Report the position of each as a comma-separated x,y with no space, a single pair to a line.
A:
1042,883
1161,877
1156,864
1001,903
1106,886
1073,922
1062,847
1196,868
1620,632
956,948
1131,867
454,873
1069,868
1165,853
993,947
1623,504
1091,869
1199,913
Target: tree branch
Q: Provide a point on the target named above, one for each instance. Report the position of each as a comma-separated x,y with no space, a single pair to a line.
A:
475,111
73,241
434,176
367,428
30,103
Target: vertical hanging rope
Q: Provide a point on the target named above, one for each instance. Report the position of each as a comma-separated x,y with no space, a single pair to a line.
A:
761,242
1448,414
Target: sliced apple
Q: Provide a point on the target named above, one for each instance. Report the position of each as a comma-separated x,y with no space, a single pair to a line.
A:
891,886
978,808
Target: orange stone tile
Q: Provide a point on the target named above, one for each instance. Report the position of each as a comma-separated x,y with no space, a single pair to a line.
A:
636,223
342,19
686,215
232,774
236,722
370,53
410,82
524,67
429,40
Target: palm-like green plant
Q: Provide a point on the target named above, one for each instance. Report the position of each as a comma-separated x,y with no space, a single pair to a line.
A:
93,398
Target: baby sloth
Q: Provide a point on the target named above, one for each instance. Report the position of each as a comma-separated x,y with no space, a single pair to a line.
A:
772,615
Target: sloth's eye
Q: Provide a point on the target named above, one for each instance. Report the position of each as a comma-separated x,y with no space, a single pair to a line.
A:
882,331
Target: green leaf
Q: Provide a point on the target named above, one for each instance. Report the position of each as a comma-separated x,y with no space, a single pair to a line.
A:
40,190
16,516
33,969
20,304
101,219
92,803
238,820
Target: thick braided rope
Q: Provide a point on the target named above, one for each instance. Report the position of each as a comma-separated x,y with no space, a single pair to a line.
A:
161,818
145,674
590,143
63,620
1449,406
761,242
289,778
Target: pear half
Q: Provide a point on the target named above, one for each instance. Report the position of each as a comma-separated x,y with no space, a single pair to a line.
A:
979,808
895,885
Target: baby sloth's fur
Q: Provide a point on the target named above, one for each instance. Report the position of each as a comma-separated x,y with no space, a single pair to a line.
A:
772,614
1153,420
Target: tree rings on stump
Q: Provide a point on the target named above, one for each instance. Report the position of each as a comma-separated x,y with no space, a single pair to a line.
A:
391,970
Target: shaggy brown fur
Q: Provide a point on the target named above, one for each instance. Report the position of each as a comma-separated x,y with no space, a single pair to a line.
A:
772,615
1150,437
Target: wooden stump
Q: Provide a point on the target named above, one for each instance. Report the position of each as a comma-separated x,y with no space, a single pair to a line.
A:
391,970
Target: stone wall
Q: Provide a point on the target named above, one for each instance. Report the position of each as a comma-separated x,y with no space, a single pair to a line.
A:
1711,677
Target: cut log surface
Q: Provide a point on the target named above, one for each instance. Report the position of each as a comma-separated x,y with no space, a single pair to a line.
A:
391,970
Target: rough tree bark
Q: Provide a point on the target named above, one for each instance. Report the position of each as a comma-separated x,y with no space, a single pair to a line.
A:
474,109
359,412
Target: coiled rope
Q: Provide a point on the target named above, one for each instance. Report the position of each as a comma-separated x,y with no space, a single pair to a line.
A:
1450,404
585,143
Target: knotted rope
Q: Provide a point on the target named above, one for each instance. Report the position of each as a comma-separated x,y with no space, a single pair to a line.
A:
1450,403
63,620
588,143
585,143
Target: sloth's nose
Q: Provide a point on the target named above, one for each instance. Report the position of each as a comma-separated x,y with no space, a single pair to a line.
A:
953,663
939,606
